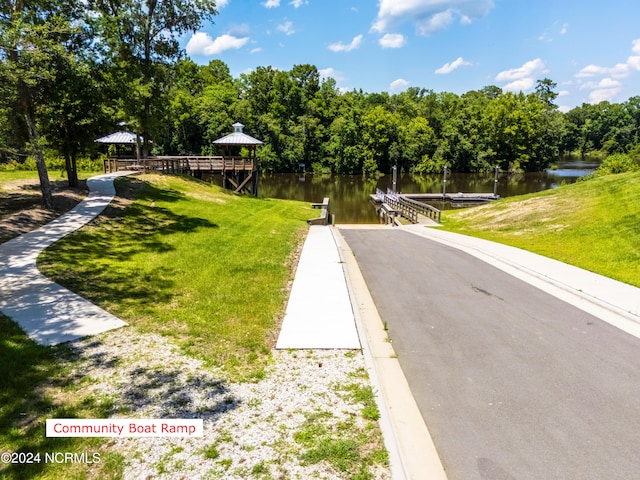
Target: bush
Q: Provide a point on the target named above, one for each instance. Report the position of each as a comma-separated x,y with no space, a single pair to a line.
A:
616,163
84,164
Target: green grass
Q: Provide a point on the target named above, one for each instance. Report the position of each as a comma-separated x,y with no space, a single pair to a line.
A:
340,444
187,260
34,387
12,175
175,256
593,224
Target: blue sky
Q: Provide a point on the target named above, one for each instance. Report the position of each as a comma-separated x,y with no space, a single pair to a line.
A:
590,48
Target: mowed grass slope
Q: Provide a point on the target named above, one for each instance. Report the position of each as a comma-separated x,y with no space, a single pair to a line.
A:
593,224
183,258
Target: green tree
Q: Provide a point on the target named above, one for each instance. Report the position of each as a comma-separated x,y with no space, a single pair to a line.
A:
379,133
139,41
545,91
33,40
73,115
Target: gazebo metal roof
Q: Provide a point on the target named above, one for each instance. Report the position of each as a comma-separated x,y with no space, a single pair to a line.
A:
119,138
237,137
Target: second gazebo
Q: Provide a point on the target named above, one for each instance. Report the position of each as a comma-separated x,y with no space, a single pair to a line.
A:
240,172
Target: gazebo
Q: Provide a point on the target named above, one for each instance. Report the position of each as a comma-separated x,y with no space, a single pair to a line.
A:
244,169
122,139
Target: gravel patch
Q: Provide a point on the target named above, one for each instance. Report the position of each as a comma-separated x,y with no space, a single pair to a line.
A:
249,428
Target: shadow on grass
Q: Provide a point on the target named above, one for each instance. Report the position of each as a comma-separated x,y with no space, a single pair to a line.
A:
94,261
165,389
27,371
39,382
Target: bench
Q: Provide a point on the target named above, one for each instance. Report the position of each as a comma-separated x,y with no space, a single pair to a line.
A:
323,219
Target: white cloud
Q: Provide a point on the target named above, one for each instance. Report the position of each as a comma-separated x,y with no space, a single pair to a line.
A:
428,15
530,68
522,78
609,86
521,85
331,72
202,44
564,108
634,62
564,29
222,3
450,67
256,50
604,90
271,3
439,21
297,3
620,70
341,47
286,28
392,40
338,76
563,93
398,85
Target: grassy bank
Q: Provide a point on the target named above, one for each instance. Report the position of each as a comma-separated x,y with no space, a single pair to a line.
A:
208,270
593,224
181,257
34,387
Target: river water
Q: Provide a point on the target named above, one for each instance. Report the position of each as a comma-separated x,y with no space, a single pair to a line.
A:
349,194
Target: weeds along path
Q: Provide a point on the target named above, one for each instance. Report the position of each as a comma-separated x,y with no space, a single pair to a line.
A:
48,313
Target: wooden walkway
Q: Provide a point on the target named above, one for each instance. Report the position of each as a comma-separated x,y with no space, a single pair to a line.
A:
390,205
238,173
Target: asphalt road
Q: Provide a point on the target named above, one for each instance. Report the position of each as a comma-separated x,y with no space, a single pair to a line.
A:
512,382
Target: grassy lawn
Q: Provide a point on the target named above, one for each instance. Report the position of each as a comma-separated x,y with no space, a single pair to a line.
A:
171,255
593,224
34,387
181,257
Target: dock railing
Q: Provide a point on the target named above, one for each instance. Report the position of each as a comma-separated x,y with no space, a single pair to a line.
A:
409,209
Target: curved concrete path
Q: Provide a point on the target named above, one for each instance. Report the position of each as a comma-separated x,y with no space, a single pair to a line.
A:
48,313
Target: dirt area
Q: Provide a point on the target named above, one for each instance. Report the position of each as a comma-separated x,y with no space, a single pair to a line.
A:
539,213
21,205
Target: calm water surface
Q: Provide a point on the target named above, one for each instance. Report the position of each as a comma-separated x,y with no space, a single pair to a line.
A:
349,194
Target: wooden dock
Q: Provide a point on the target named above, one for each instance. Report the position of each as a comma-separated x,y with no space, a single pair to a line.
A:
453,197
391,205
238,173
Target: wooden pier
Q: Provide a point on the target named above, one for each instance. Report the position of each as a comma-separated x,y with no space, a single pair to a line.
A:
391,205
238,173
453,197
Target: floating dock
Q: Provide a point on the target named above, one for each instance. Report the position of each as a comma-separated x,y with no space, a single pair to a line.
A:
453,197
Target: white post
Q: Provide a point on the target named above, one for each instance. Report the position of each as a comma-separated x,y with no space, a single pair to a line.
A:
444,184
395,175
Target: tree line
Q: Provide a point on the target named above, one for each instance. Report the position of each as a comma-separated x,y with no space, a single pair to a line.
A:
73,71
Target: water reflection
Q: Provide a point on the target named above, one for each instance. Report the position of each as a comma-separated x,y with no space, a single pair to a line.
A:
349,194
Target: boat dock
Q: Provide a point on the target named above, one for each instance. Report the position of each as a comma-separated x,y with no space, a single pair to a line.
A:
453,197
391,205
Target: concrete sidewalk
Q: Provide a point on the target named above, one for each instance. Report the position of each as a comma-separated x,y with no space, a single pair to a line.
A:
319,313
48,313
